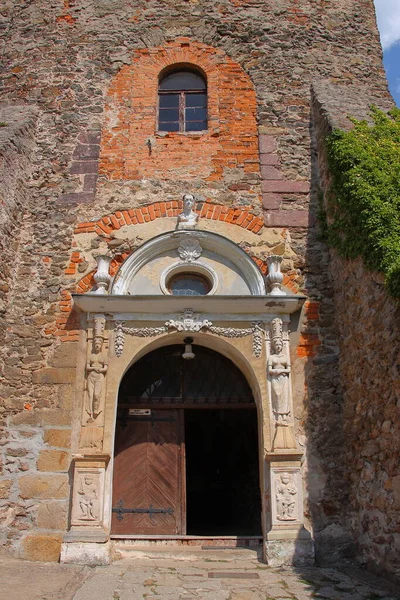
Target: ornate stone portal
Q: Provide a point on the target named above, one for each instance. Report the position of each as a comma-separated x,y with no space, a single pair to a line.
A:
251,330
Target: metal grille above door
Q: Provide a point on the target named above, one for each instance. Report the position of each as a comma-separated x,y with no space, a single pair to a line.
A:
164,377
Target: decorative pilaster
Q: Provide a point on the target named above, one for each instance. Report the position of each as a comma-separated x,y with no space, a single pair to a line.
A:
87,540
280,386
91,437
287,541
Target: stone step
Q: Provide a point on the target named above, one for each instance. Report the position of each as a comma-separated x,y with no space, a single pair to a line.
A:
198,549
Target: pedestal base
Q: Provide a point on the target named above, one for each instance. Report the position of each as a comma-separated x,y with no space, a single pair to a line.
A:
289,548
91,554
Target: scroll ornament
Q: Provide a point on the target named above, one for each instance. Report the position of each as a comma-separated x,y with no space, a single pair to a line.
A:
191,322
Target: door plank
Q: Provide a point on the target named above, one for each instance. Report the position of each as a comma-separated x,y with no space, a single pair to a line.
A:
148,473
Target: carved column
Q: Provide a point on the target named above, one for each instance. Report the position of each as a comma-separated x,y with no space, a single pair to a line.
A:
92,424
87,540
287,541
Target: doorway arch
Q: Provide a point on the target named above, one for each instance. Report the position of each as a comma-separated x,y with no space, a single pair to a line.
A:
186,448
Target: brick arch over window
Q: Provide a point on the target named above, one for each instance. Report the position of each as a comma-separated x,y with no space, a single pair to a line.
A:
131,147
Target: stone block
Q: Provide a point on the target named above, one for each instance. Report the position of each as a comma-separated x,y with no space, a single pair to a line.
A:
89,183
81,167
52,515
53,460
90,137
77,198
269,159
284,186
60,438
26,417
396,490
272,201
279,553
267,143
54,375
270,172
82,553
64,356
55,417
44,486
45,548
66,394
5,486
289,218
86,152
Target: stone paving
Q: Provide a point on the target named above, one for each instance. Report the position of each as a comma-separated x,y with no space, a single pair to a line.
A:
192,577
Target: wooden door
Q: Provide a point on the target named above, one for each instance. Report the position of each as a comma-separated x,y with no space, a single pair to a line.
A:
148,487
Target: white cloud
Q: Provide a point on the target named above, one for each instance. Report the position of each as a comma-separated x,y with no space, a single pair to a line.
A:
388,16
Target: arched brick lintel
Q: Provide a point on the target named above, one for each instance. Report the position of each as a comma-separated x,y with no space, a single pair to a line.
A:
243,217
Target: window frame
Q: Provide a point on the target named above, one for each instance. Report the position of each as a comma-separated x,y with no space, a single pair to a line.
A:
182,122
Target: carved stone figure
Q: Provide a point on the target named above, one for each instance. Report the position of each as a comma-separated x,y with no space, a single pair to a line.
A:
286,493
188,218
279,369
96,369
87,493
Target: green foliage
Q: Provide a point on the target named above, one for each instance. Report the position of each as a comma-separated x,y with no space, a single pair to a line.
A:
363,208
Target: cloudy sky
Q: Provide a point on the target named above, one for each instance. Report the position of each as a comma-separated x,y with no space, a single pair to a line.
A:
388,15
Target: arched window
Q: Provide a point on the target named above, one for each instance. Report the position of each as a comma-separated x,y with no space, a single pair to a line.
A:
182,102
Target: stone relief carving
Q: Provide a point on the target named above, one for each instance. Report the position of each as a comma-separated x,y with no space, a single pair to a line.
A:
188,322
188,218
96,369
121,330
190,249
256,330
191,322
286,498
278,370
87,497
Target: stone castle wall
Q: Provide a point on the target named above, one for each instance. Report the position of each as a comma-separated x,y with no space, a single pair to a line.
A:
368,336
81,67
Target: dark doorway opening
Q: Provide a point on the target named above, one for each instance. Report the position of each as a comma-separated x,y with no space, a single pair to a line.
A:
222,472
186,456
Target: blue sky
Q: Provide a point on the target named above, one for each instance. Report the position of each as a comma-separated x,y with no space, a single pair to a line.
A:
388,16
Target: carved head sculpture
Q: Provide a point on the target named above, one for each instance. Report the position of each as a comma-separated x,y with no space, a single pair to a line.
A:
188,203
88,479
97,344
285,478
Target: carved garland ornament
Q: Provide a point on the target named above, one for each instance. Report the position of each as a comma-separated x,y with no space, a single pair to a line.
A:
190,322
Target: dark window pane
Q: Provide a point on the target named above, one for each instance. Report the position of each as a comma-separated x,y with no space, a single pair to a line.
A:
196,126
189,285
169,114
196,100
182,80
168,127
195,114
169,101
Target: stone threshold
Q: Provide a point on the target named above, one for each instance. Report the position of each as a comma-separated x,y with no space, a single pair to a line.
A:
204,542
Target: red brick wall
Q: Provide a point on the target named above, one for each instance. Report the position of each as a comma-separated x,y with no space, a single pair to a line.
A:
131,119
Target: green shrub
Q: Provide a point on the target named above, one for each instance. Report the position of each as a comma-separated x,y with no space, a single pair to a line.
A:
363,205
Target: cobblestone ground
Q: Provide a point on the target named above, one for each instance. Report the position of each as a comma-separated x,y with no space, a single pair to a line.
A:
193,578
